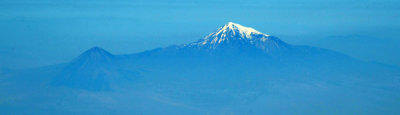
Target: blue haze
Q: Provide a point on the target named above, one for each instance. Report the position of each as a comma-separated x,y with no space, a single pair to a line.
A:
153,58
46,32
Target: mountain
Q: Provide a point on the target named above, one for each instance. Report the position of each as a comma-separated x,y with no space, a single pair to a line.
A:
234,70
231,45
94,70
233,41
93,57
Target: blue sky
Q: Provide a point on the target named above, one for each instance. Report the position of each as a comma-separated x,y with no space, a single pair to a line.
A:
45,32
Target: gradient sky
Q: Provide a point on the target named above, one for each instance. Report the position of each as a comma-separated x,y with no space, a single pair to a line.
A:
45,32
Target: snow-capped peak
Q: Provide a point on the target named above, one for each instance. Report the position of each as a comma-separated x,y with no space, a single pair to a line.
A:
237,29
232,32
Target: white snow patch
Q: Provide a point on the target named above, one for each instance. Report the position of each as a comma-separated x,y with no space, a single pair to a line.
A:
232,31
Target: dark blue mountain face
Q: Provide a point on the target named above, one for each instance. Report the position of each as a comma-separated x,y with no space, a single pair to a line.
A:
93,70
235,70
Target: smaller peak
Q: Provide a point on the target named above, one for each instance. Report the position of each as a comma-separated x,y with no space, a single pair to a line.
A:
96,48
96,51
94,54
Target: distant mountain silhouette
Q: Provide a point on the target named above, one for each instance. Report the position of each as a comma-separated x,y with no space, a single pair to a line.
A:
95,56
92,70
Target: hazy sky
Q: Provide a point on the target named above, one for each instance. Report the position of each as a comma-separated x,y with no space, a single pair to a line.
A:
44,32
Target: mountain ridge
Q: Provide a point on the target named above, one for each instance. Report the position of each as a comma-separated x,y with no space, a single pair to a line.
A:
231,78
237,43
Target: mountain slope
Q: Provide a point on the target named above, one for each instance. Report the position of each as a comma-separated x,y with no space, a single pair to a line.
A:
95,70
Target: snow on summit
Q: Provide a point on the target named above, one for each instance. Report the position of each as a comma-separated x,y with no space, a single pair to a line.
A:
233,34
238,29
